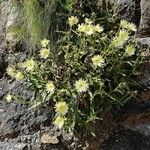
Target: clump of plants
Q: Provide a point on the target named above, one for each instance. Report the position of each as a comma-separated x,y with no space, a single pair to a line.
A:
87,73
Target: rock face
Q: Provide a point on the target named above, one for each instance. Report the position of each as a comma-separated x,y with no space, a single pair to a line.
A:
9,16
129,137
145,18
129,10
22,128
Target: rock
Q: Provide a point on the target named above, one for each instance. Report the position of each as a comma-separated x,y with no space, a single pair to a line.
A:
33,128
16,88
16,119
144,44
129,10
10,17
6,85
12,146
144,30
135,137
21,126
49,139
3,63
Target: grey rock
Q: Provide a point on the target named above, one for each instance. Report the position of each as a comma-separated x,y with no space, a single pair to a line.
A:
6,84
15,88
3,87
10,16
144,129
128,137
18,119
12,146
3,63
144,43
21,128
144,30
129,10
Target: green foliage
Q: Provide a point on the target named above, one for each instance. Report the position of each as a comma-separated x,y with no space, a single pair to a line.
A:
90,71
68,4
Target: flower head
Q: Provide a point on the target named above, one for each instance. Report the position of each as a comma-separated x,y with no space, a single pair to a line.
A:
19,76
11,71
88,21
81,85
81,27
127,25
44,53
121,38
124,35
117,42
132,27
44,42
61,108
86,28
130,50
98,60
8,98
123,24
98,28
29,65
73,20
59,121
50,87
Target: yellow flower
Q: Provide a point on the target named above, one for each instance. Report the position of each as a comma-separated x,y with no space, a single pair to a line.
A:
88,29
73,20
44,42
130,50
81,27
44,53
124,35
61,108
98,28
19,76
59,121
123,24
98,60
8,98
132,27
121,38
117,42
50,87
88,21
11,71
81,85
127,25
29,65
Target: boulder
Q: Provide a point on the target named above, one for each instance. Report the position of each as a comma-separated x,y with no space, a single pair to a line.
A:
129,137
144,30
10,16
